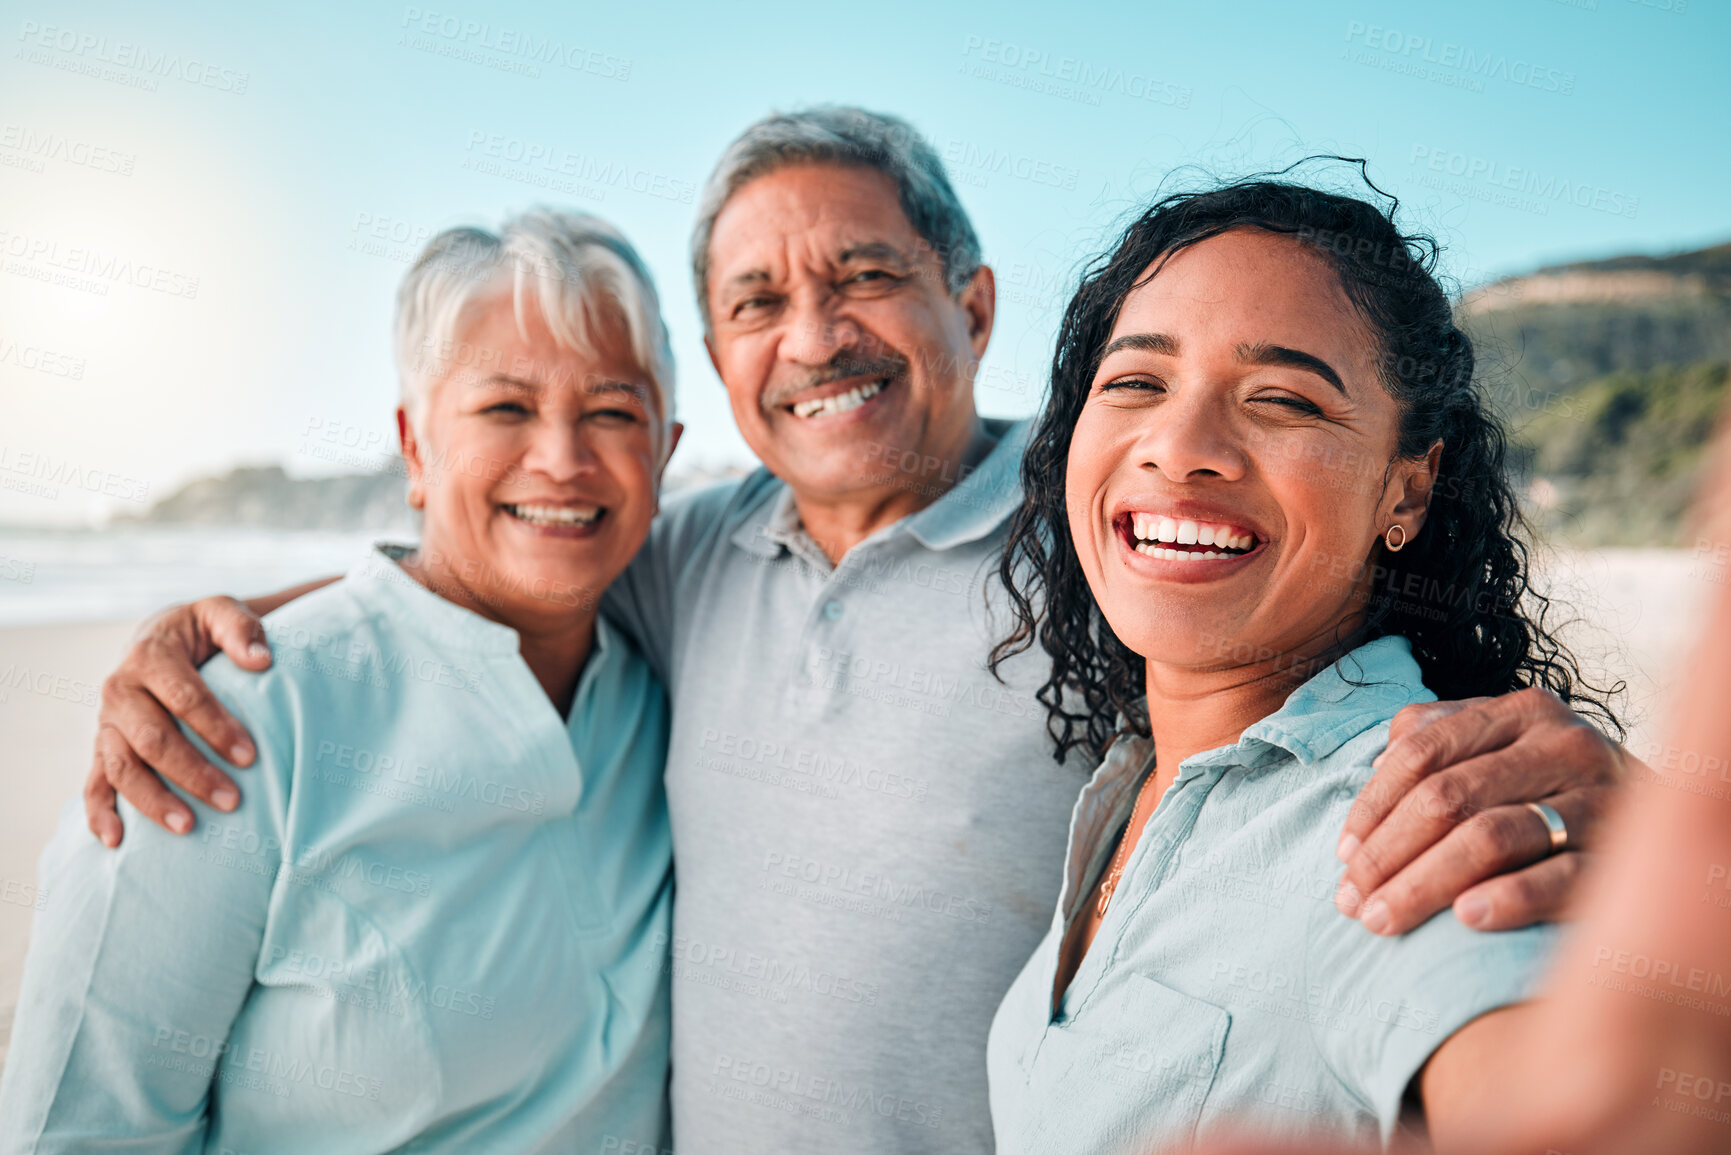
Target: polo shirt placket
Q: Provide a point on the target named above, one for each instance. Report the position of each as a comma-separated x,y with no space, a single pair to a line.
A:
868,827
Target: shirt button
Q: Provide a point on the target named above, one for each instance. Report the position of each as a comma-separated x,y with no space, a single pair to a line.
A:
832,611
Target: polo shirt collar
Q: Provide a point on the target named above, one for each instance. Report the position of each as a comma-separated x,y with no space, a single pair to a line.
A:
973,508
784,530
981,501
775,526
763,533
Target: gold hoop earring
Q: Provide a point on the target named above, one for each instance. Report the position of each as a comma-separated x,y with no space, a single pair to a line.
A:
1388,538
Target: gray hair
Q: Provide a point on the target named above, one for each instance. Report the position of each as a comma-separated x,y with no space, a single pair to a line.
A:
578,270
832,134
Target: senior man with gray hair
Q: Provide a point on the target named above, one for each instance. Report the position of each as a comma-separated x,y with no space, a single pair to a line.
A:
868,827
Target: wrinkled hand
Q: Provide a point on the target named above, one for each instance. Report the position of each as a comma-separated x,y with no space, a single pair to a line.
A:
1443,820
157,682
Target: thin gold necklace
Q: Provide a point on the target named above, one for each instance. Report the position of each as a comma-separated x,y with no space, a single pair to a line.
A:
1115,873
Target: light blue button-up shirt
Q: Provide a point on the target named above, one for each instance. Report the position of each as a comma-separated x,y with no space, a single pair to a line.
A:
1222,985
439,916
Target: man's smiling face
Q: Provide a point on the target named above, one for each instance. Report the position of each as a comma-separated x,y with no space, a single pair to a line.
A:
835,334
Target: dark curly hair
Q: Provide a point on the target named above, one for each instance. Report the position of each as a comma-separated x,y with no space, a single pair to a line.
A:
1460,591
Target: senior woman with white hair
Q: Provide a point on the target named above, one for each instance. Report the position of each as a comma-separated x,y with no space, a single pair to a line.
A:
439,919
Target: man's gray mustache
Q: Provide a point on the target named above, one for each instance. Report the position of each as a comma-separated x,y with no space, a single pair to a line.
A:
890,365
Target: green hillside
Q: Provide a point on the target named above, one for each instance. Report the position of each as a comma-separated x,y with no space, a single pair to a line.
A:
1616,461
1610,375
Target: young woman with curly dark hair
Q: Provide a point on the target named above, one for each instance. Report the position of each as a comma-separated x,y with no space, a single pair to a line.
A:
1266,508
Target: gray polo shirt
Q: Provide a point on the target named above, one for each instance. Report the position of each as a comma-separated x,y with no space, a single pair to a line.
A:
868,828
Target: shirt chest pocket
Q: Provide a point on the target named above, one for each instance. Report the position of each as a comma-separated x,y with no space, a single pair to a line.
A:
1130,1072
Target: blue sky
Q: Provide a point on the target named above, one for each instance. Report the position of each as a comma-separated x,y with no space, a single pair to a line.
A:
204,210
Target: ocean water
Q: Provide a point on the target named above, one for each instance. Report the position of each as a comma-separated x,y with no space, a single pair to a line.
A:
54,576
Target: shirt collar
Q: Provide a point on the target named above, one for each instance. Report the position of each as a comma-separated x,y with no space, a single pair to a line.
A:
416,607
381,579
1120,770
784,530
1361,690
971,509
765,532
983,499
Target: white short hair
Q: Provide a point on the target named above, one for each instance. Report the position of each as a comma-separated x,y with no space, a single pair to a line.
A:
580,273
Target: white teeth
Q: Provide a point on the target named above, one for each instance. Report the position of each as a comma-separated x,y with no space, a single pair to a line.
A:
840,403
1153,531
1150,550
554,514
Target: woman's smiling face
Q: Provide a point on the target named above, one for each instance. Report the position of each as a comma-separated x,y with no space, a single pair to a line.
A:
1233,465
538,479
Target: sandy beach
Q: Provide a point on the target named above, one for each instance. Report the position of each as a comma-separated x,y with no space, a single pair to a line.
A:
1632,611
50,679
